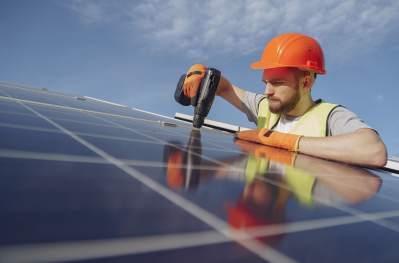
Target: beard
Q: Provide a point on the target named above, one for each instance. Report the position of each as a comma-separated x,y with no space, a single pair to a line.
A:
278,106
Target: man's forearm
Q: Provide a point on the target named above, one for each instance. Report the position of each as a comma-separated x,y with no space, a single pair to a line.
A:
231,93
363,147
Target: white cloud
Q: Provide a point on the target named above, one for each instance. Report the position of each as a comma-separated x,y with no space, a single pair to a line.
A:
380,98
90,12
241,27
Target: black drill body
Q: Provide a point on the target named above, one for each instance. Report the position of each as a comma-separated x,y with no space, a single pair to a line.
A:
202,102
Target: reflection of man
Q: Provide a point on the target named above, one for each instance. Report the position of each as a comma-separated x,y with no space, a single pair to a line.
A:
309,179
272,176
272,180
287,116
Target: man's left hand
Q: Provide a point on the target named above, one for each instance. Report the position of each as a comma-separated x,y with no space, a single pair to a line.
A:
271,138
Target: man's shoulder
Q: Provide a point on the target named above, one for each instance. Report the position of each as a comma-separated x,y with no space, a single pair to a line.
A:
340,111
341,120
253,99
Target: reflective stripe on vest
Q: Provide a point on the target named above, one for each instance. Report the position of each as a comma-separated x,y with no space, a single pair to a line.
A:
313,123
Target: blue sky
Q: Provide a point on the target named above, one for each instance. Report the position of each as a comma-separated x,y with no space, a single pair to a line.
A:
133,52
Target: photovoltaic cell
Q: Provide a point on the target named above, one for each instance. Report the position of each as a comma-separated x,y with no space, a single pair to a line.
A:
90,181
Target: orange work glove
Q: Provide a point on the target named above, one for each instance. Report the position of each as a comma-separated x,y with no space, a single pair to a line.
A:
267,152
271,138
194,76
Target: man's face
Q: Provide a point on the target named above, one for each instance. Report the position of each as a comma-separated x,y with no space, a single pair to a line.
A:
282,89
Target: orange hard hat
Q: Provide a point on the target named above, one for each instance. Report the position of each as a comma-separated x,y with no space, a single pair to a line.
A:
292,50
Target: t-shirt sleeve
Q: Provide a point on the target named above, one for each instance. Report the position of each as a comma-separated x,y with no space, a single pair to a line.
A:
251,104
342,120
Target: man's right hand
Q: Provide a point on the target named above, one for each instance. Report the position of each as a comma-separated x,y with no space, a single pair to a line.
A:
225,89
194,76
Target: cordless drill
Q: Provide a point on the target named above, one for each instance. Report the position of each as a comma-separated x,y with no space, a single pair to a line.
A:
204,98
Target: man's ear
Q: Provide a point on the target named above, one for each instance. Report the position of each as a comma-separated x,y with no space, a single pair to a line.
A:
307,82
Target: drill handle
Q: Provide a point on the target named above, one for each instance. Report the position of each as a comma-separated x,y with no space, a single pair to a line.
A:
207,92
179,94
183,99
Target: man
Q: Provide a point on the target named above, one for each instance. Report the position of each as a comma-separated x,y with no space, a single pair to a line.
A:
287,116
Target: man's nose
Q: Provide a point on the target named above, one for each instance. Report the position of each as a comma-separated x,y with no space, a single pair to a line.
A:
269,91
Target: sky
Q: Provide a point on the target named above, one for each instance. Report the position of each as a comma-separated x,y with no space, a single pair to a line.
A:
133,52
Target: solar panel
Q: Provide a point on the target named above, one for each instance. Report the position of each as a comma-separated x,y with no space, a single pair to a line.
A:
90,181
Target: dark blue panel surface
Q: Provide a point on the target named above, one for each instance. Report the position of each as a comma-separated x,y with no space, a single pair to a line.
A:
23,119
66,114
43,201
78,102
36,141
144,151
362,242
12,107
36,95
99,129
181,129
139,129
213,253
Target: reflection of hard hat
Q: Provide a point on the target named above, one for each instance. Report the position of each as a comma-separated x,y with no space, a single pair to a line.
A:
256,206
240,217
250,212
292,50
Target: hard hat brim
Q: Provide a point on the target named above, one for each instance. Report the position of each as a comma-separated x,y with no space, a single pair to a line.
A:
260,65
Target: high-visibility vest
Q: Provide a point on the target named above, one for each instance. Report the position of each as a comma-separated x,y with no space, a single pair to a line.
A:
313,123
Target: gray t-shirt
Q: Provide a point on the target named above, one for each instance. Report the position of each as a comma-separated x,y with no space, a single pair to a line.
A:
340,121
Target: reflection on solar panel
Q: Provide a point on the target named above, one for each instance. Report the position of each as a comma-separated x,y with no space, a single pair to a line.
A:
86,180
